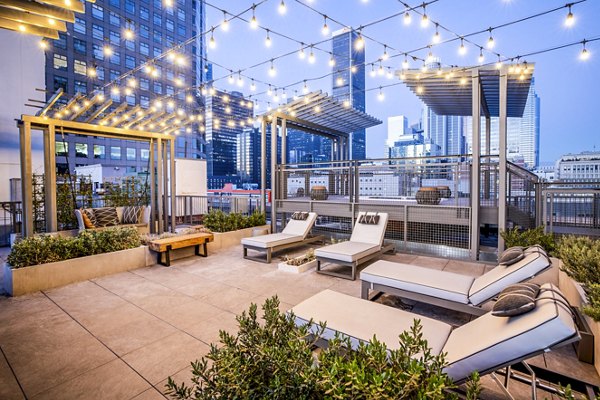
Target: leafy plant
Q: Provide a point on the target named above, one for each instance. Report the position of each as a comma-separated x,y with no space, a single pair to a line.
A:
147,237
218,221
274,359
529,237
303,259
581,261
44,249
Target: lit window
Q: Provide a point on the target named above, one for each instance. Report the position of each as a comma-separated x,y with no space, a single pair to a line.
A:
81,150
97,52
115,38
144,13
114,19
144,49
60,62
80,87
62,148
97,32
99,151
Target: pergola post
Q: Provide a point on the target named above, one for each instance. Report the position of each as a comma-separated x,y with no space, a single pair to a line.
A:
274,193
488,147
283,177
26,179
476,163
263,165
159,185
50,179
165,204
502,167
173,183
153,201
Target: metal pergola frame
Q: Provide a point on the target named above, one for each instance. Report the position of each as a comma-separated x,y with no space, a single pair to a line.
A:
493,91
333,120
165,166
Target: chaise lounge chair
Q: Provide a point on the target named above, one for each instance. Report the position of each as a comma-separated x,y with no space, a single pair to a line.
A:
294,234
449,290
365,244
485,344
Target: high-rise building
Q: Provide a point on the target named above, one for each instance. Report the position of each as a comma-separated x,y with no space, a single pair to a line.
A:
249,158
226,116
98,39
396,127
446,131
348,81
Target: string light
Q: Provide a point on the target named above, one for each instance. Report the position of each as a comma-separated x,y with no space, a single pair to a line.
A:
22,28
462,50
331,61
131,82
346,103
405,64
305,88
128,91
359,44
380,70
107,50
407,18
189,98
282,8
380,96
491,43
373,73
169,3
481,58
301,53
385,54
114,90
429,57
389,73
128,32
253,86
424,67
212,43
436,37
353,69
225,23
570,20
272,70
91,71
424,19
230,79
311,56
43,44
499,63
325,29
268,42
339,81
585,54
270,91
240,80
253,21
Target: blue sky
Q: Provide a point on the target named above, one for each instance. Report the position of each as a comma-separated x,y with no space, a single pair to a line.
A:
568,87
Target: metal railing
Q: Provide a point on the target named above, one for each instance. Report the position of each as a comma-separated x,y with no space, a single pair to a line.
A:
571,208
190,209
10,220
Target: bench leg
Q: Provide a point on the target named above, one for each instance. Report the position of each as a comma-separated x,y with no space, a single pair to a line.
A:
168,257
204,250
269,255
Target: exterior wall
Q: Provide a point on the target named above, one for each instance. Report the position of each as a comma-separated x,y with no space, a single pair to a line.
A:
583,167
22,73
190,177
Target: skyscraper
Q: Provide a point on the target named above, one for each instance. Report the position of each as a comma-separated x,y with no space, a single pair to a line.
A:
99,39
249,157
227,114
348,81
446,131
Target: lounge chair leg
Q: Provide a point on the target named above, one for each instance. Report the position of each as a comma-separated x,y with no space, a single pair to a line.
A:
353,271
533,381
501,386
268,255
318,265
245,252
364,291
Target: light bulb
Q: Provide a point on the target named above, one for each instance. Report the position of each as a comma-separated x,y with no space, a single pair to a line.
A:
212,43
100,96
282,8
360,42
389,74
373,73
385,54
22,28
499,63
92,72
230,79
339,81
420,89
491,42
380,96
424,21
128,33
405,64
128,91
317,109
462,50
268,42
380,70
424,68
570,20
585,54
168,3
353,69
305,88
51,21
325,29
436,37
346,103
204,91
269,91
429,57
132,82
225,23
481,58
311,57
212,91
407,18
331,61
253,21
114,90
463,81
253,86
301,53
107,51
272,70
189,98
240,80
43,44
284,94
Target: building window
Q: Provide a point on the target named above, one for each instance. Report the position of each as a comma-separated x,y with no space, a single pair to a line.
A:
97,52
144,13
80,87
115,3
130,6
170,74
60,83
62,149
170,25
79,25
115,38
181,29
181,14
131,169
157,37
169,41
170,90
144,83
114,74
144,31
97,12
144,49
116,97
114,19
144,101
115,153
130,61
80,46
157,4
81,150
157,87
130,45
116,58
130,99
130,154
61,42
97,32
144,154
157,19
100,73
60,62
156,52
99,151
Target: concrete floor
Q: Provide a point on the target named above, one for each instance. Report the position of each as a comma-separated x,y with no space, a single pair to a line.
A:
121,336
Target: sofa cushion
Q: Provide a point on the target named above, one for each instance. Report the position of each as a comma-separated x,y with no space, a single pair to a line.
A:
275,239
370,233
300,227
440,284
132,214
347,251
106,216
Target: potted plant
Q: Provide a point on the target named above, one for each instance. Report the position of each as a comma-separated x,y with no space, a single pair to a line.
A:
300,263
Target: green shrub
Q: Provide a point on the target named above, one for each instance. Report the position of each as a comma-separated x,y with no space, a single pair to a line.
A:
274,359
218,221
581,261
529,237
46,249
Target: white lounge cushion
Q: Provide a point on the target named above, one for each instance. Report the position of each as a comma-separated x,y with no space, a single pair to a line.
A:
491,283
347,251
440,284
360,320
367,233
300,227
275,239
489,342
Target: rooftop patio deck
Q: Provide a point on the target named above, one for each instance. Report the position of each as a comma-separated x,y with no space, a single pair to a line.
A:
121,336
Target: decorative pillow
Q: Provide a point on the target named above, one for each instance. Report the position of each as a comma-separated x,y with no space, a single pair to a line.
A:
106,216
511,256
531,289
132,214
536,248
513,304
369,219
300,215
87,221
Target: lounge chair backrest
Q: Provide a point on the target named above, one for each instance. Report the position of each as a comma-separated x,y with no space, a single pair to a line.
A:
300,228
490,284
367,233
488,343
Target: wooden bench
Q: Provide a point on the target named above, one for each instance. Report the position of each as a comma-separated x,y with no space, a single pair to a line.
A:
165,245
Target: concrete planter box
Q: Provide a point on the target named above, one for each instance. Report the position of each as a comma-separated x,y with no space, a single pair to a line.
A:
233,238
46,276
575,294
297,269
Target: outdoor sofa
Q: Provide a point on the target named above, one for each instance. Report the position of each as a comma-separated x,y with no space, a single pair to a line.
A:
447,289
365,244
106,217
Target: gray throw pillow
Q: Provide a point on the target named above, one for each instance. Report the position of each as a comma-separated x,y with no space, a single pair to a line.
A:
531,289
513,304
536,248
369,219
300,216
511,256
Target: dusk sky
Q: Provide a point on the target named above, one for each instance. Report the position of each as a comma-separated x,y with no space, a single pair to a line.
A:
568,87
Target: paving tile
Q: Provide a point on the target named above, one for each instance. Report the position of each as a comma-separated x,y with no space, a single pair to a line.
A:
187,314
113,380
204,287
208,330
150,394
84,299
430,262
9,387
403,258
166,357
464,268
232,299
183,376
